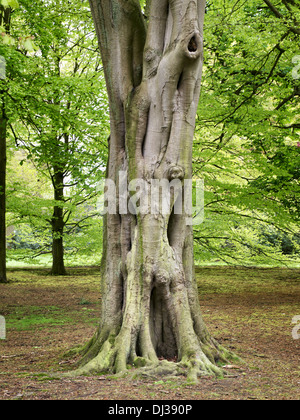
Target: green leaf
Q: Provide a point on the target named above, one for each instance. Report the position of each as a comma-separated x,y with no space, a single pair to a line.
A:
5,3
14,4
29,45
8,40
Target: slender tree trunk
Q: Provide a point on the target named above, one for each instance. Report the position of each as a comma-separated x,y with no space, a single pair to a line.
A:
3,126
150,305
58,224
5,15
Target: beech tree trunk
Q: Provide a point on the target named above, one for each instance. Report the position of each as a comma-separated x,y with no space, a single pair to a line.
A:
3,125
5,15
150,313
58,225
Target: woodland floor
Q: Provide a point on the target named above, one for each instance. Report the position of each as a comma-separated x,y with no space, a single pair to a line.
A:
249,311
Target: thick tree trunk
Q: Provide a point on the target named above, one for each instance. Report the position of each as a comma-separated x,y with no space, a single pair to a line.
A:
150,305
58,224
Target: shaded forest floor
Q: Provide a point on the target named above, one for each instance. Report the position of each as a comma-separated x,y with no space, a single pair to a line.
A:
249,311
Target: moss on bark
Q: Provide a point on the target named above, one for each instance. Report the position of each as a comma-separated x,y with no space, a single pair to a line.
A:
151,309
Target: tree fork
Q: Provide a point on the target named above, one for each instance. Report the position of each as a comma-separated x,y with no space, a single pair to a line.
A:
150,307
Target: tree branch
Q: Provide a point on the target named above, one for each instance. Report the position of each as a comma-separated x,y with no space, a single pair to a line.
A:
274,9
279,15
288,98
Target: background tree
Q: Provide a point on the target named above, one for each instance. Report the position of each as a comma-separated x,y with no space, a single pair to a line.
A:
57,120
6,9
3,125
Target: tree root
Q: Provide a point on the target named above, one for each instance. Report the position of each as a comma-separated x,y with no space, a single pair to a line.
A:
112,359
192,370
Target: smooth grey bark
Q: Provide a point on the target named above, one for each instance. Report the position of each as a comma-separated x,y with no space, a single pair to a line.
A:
150,307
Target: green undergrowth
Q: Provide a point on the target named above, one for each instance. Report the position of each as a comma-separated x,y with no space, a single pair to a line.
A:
41,277
236,280
26,318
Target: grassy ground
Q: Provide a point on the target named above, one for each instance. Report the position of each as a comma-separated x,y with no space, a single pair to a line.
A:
249,311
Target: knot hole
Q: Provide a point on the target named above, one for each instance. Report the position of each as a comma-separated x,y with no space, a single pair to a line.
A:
193,45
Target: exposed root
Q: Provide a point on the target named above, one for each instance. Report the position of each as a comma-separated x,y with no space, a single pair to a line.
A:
191,370
113,359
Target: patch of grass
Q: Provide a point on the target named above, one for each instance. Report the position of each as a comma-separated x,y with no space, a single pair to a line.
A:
44,377
40,277
84,301
25,318
236,280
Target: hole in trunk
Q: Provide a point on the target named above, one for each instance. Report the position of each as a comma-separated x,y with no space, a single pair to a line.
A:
193,46
162,335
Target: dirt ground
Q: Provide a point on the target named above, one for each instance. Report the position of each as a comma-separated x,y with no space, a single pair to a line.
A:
249,311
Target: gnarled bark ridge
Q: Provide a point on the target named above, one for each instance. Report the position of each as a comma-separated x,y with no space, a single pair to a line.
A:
150,305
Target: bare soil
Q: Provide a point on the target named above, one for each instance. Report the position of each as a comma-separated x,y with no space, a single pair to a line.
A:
249,311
